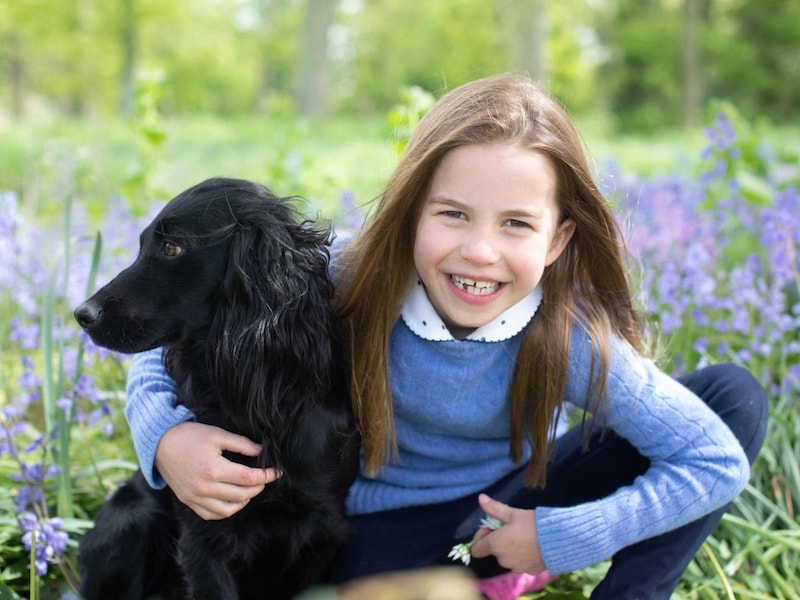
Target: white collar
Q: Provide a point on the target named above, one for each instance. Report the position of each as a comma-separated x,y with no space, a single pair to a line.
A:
421,318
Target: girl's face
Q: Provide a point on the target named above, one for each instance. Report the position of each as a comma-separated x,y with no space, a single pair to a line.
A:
489,226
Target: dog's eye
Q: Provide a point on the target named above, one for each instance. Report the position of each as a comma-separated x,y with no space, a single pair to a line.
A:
172,249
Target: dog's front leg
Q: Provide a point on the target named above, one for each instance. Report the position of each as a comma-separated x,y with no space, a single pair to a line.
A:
130,552
204,560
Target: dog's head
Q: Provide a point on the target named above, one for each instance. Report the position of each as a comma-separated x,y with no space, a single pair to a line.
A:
222,244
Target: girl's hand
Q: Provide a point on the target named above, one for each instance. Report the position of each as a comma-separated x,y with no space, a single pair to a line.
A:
189,458
515,545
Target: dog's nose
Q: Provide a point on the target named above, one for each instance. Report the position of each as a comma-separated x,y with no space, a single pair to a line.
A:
87,313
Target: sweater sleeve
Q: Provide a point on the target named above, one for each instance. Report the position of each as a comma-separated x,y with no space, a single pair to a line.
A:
152,409
697,465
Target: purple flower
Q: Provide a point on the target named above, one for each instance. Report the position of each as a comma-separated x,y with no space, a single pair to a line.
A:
27,336
351,217
65,404
10,224
722,133
701,345
794,374
45,538
85,388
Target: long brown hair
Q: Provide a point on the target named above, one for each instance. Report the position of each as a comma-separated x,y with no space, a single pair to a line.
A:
588,283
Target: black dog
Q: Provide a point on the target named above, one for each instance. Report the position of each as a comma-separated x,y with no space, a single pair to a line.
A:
236,289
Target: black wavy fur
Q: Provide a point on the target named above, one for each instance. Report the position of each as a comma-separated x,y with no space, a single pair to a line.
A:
235,287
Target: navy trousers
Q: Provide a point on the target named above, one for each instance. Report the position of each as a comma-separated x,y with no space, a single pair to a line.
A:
422,536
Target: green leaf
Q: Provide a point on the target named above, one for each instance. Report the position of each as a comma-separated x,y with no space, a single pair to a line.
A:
6,593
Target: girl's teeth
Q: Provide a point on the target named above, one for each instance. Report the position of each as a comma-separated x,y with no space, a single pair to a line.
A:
480,288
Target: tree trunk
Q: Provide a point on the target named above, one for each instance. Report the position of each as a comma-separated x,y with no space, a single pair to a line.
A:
128,42
313,85
16,69
527,20
265,10
692,70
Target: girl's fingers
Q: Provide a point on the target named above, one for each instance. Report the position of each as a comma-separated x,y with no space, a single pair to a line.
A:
238,444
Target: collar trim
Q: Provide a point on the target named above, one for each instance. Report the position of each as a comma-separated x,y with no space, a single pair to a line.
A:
421,318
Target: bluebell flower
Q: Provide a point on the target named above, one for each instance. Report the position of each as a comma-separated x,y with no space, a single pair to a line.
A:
721,133
10,223
85,388
35,471
351,217
27,336
700,345
45,538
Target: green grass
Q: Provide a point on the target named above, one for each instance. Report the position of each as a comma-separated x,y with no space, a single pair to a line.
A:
96,160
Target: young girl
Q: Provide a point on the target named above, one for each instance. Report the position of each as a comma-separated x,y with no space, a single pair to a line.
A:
487,294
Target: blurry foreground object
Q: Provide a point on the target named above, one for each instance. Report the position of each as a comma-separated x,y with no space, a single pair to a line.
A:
434,583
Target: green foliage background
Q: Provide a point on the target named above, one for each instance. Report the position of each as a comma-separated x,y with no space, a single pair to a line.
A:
234,57
215,93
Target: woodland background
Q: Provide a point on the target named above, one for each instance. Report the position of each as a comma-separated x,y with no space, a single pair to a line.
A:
690,110
649,64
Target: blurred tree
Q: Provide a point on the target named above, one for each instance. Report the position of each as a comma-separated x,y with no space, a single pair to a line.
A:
437,46
574,51
640,76
668,58
15,67
434,45
78,22
23,32
12,64
650,64
526,23
695,13
128,42
75,50
207,52
756,58
266,32
312,91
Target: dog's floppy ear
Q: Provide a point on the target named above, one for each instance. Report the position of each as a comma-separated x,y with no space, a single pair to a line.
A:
272,331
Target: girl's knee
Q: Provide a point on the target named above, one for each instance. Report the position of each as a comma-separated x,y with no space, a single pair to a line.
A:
747,409
738,398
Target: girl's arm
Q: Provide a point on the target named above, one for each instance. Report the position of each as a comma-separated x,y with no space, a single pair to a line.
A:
152,409
184,455
697,465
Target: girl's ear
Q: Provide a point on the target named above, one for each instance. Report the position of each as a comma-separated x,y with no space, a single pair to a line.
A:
560,240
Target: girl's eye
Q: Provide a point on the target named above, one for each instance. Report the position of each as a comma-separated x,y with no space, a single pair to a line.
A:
454,214
516,223
172,249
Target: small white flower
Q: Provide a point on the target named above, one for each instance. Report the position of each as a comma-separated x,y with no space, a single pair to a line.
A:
492,523
462,551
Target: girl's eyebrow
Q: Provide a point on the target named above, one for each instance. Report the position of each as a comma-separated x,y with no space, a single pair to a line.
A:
446,200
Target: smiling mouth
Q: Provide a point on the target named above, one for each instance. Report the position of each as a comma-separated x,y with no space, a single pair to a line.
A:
477,288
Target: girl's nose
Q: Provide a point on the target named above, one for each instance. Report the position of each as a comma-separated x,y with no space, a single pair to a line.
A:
479,249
